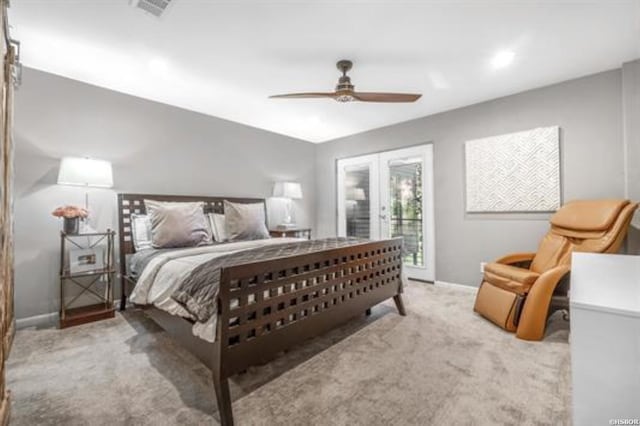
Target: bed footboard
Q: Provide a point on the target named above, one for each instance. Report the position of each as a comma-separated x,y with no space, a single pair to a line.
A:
267,307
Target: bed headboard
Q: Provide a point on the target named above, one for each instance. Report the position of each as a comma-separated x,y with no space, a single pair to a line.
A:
134,203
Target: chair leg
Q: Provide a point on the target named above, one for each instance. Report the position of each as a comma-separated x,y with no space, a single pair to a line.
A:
399,304
223,396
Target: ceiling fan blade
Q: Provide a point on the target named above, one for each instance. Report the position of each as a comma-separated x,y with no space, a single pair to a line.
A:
304,95
386,97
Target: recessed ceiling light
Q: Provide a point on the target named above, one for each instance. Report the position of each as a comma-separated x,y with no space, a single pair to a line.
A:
502,59
158,66
438,81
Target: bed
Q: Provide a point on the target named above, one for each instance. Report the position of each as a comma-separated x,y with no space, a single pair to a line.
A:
262,307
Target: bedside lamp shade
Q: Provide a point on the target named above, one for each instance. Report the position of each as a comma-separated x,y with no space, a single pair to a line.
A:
291,190
356,194
85,172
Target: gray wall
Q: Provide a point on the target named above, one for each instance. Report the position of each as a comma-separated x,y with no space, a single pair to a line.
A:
154,148
162,149
589,111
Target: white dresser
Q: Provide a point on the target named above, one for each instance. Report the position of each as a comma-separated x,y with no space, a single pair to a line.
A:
605,338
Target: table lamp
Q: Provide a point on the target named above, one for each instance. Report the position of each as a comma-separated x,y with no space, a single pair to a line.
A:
87,172
289,191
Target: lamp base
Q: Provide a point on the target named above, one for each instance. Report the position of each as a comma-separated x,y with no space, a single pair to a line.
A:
287,226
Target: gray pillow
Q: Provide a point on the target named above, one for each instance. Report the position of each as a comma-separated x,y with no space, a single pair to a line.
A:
245,221
177,224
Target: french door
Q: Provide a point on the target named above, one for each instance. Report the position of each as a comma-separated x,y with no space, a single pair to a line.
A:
387,195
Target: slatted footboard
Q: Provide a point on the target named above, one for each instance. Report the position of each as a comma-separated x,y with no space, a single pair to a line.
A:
267,307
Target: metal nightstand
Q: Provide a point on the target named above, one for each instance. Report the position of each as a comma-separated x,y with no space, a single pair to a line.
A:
86,260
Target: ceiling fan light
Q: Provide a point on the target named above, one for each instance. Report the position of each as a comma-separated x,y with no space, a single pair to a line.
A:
345,98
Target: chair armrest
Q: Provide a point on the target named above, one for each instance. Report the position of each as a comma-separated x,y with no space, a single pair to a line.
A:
536,307
516,258
552,277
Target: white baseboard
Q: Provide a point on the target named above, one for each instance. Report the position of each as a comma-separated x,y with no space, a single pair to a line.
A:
457,286
40,321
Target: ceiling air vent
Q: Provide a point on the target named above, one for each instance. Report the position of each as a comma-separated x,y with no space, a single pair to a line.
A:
154,7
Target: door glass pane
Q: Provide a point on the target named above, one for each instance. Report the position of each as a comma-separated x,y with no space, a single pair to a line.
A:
357,201
405,207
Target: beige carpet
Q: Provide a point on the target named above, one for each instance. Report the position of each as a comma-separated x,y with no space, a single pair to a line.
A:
441,364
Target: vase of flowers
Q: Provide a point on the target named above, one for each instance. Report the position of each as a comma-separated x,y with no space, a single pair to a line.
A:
71,216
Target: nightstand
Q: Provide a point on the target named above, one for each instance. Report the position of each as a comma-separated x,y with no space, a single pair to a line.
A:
291,233
86,267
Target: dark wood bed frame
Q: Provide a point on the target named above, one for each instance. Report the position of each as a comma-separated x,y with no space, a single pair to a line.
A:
277,303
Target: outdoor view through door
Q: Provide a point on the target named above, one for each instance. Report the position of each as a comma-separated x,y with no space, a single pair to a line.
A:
390,194
405,207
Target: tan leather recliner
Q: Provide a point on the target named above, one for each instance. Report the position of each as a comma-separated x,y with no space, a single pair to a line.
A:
517,289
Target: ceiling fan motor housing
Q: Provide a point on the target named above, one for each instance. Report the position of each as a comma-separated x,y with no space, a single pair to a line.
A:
344,83
344,90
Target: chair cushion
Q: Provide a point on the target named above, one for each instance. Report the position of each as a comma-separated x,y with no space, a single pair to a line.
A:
553,250
497,305
511,278
588,215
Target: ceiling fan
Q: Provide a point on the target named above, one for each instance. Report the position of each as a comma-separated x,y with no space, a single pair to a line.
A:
345,91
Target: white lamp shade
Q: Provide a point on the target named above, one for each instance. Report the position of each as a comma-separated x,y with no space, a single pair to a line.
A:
292,190
85,172
356,194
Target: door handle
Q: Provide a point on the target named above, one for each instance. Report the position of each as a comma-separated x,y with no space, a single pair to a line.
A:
383,216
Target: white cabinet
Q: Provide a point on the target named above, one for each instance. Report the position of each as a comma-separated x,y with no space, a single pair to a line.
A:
605,338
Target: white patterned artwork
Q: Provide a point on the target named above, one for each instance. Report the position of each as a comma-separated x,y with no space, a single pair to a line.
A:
517,172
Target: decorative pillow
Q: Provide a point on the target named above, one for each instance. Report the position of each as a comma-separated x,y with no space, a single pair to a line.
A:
140,231
218,227
245,221
177,224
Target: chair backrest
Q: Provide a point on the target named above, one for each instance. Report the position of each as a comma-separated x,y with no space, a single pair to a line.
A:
595,226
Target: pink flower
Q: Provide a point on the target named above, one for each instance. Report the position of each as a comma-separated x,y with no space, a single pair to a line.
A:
70,212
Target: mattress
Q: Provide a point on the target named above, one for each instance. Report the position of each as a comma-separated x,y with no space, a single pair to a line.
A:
160,273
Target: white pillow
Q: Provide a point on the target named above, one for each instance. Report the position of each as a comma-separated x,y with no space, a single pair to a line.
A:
140,231
218,227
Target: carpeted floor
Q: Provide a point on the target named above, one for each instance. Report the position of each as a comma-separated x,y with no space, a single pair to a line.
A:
441,364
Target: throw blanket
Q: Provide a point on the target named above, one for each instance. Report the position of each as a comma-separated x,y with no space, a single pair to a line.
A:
198,292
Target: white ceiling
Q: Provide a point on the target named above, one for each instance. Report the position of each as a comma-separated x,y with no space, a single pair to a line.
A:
223,58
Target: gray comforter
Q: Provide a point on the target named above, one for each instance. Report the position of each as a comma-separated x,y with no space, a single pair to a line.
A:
198,292
140,259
